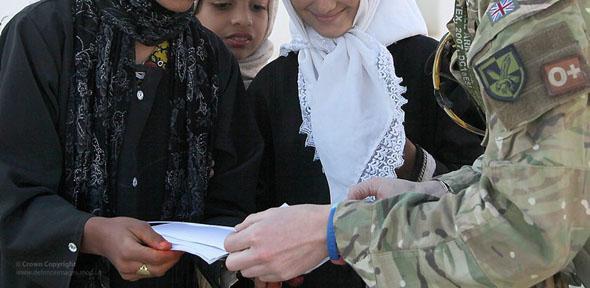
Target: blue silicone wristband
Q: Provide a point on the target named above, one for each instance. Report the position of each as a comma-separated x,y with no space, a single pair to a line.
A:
331,237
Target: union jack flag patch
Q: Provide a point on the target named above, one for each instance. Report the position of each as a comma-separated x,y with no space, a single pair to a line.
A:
501,8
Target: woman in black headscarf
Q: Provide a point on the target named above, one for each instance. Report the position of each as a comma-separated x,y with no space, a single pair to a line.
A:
116,108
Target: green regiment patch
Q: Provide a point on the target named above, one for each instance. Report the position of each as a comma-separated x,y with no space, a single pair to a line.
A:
503,75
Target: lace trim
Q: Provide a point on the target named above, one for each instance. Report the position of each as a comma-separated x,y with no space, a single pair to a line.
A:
305,128
389,153
325,45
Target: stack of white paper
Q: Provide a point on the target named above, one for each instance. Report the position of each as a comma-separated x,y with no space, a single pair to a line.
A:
205,241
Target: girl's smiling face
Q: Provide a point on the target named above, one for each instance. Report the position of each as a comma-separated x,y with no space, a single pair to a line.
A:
330,18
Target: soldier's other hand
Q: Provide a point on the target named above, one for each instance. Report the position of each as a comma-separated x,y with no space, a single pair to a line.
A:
280,243
383,188
380,188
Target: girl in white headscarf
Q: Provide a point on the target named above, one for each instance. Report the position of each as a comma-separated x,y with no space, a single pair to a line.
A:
244,26
349,93
330,108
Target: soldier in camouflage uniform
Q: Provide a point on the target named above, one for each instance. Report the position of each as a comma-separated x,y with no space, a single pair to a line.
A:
520,214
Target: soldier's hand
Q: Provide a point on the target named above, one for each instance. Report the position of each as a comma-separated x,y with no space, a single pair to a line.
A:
383,188
380,188
280,243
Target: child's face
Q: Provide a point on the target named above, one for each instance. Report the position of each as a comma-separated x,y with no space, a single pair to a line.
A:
242,24
330,18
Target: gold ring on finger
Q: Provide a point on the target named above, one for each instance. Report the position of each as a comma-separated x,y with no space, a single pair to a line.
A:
143,271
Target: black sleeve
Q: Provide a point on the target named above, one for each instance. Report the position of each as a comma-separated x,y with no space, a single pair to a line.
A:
260,89
459,147
238,148
426,123
40,232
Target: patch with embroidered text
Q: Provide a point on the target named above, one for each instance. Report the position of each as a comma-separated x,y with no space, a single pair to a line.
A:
532,2
501,8
503,75
565,75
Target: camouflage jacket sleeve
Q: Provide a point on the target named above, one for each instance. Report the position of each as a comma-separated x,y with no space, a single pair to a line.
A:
464,177
525,213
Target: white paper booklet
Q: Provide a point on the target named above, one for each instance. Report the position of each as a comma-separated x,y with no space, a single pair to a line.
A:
205,241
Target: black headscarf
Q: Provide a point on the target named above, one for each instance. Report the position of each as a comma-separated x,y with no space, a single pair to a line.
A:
105,33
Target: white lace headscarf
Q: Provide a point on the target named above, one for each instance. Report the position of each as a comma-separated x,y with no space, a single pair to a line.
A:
349,93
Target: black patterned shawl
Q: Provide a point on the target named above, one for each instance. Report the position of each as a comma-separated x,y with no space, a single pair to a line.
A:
105,33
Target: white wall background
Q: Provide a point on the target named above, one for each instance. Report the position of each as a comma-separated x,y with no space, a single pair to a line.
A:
11,7
436,12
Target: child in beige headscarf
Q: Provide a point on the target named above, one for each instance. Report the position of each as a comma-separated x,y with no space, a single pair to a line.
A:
244,26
